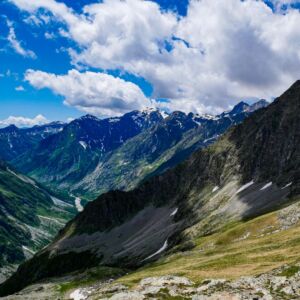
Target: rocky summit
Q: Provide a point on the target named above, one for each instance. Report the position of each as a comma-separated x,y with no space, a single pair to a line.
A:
223,211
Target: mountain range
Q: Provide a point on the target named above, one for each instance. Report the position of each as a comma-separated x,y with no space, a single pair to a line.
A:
15,141
87,157
218,196
90,156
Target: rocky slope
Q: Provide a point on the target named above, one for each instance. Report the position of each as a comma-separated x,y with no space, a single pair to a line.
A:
91,156
272,285
251,170
29,218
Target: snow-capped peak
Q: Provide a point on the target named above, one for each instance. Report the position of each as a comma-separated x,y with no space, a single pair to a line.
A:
205,117
88,117
164,114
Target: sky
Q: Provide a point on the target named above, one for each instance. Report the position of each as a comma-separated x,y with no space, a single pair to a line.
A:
60,59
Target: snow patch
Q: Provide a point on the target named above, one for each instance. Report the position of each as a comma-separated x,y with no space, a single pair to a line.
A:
164,114
164,247
27,252
148,110
10,144
78,205
27,249
210,139
77,295
197,122
114,120
215,189
174,212
287,185
206,117
58,202
266,186
245,186
53,220
83,144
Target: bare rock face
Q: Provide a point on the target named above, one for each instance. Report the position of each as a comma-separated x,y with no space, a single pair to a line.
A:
282,283
165,281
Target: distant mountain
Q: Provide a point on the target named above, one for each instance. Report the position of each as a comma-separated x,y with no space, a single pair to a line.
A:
15,141
157,149
63,159
91,156
29,218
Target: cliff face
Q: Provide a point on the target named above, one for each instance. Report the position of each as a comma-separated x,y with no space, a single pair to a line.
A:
252,169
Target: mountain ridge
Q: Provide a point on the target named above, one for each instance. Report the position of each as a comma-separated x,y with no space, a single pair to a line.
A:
96,155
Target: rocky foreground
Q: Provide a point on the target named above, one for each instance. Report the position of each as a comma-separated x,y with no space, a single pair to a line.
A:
281,283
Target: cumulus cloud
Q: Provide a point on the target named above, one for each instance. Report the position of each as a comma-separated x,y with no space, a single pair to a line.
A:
16,45
19,88
220,52
96,93
49,35
23,121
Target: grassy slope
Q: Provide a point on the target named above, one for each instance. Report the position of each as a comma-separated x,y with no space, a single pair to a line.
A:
239,249
242,248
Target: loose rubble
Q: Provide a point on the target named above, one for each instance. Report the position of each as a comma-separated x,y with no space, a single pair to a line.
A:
282,283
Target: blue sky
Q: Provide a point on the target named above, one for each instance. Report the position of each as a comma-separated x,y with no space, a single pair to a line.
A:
31,102
51,54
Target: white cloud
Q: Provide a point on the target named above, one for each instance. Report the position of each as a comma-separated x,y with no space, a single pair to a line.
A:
96,93
33,20
49,35
19,88
223,50
16,45
23,121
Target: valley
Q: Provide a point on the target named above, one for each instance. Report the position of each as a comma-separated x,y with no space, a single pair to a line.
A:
30,217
